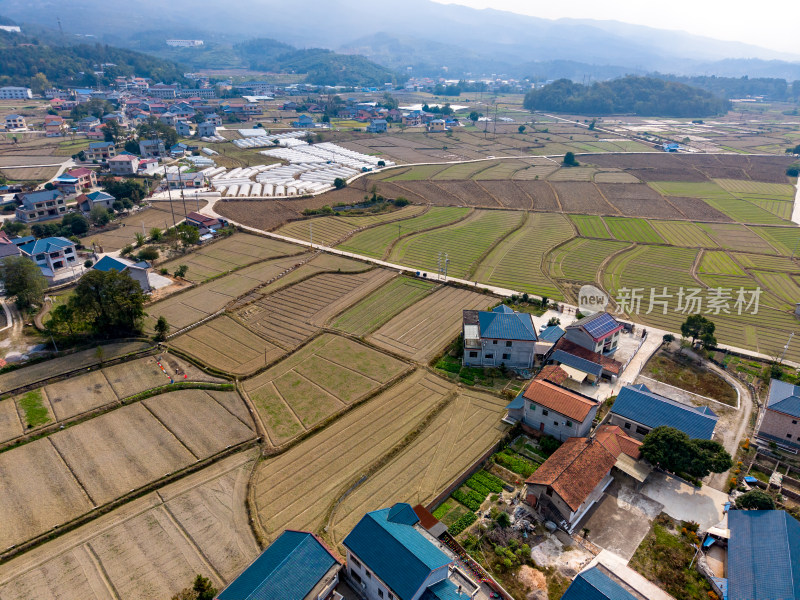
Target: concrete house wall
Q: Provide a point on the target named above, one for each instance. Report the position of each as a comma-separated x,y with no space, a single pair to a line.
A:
493,353
780,427
556,424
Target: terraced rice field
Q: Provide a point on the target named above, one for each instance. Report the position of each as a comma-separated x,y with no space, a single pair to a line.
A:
425,328
681,233
590,226
381,305
376,241
296,489
454,440
757,188
746,212
736,237
785,239
290,316
320,380
465,243
225,344
517,262
150,548
580,259
228,254
719,263
418,173
197,303
632,230
693,189
55,479
330,230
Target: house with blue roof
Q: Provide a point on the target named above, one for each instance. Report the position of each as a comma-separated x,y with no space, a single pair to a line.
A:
780,422
303,122
52,255
86,202
389,557
497,337
138,271
40,205
296,566
377,126
638,411
598,583
763,555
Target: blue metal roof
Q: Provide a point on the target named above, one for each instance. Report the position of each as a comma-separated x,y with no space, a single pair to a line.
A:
444,590
502,308
395,551
506,326
593,584
45,245
516,403
576,362
109,263
101,144
551,334
288,569
784,397
639,404
95,196
763,555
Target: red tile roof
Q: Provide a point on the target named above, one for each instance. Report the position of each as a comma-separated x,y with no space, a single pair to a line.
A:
575,469
618,442
608,364
80,172
563,401
553,374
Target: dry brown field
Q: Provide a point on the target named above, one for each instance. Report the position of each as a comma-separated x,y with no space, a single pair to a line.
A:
459,436
296,489
323,378
150,548
425,328
64,364
159,214
290,316
79,394
10,423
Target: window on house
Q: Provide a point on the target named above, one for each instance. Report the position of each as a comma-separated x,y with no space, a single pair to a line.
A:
549,492
642,430
789,435
555,423
794,422
390,596
494,342
545,412
473,355
490,355
533,406
355,563
627,425
506,357
508,344
380,593
367,573
569,423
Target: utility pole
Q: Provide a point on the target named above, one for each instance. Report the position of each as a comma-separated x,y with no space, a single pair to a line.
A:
311,232
169,193
786,347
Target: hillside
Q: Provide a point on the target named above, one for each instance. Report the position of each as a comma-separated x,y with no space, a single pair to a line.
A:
644,96
22,57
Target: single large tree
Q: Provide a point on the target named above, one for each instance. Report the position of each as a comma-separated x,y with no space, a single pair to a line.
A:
24,280
112,302
699,327
675,451
755,500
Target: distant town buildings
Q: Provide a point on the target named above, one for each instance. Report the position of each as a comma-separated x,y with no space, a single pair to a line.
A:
15,93
184,43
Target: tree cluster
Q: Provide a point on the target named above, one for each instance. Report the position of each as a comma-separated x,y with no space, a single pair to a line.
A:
126,188
73,224
773,88
700,328
674,451
646,96
23,280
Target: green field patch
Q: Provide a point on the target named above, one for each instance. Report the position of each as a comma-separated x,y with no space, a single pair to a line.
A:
740,186
33,406
682,233
376,240
785,239
580,259
719,263
591,226
464,243
508,169
462,171
517,262
781,284
732,236
690,189
418,173
779,208
768,263
744,211
384,303
632,230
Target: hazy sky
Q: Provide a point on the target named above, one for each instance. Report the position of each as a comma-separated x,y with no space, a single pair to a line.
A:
773,24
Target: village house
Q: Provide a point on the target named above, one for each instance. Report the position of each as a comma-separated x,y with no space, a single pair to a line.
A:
55,126
100,151
87,123
377,126
298,565
14,122
184,181
214,119
638,411
7,246
436,126
207,129
40,206
598,332
52,255
303,122
582,365
75,181
780,422
391,557
152,149
86,202
118,117
575,476
138,271
546,407
599,583
204,223
178,150
124,164
10,92
499,337
184,128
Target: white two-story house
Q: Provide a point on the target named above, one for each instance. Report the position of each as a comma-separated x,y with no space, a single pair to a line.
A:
499,337
52,255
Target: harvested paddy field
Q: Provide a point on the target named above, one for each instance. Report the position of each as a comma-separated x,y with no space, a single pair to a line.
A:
297,488
465,243
582,197
197,303
381,305
151,547
58,478
427,327
65,364
320,380
517,262
580,259
291,315
159,215
453,441
229,253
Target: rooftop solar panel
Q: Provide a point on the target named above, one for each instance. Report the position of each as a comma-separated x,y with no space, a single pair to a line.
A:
601,326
